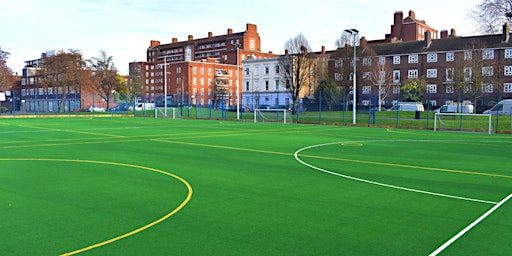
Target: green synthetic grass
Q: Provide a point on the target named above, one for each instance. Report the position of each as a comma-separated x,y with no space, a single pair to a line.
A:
69,183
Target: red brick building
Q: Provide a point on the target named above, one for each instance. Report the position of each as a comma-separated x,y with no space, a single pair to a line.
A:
199,71
407,29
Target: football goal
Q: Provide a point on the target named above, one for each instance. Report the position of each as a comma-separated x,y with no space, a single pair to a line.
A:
160,112
272,115
463,122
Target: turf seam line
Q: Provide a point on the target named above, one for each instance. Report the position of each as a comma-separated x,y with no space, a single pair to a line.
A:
470,226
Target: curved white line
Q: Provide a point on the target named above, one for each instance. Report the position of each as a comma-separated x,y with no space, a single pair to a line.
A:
380,183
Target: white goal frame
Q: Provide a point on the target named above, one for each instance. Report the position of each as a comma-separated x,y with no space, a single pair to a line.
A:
257,110
161,111
437,119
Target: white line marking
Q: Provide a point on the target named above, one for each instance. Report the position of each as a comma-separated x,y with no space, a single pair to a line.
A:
462,232
379,183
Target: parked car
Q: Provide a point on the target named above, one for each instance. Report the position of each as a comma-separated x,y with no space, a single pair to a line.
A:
94,108
122,107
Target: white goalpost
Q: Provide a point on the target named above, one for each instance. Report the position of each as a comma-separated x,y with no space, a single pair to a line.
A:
161,113
272,115
463,122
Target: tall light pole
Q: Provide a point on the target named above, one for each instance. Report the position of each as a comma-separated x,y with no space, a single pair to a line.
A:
354,33
165,83
237,45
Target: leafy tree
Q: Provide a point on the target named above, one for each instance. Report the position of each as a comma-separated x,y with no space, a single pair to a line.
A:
490,15
298,68
64,73
413,89
328,92
6,77
105,80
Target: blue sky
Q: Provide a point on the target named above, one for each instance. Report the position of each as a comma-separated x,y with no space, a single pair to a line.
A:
124,28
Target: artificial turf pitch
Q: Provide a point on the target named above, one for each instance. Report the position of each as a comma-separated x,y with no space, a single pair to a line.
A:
143,186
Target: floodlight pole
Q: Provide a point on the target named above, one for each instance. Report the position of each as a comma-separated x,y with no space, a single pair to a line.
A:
165,83
237,45
354,33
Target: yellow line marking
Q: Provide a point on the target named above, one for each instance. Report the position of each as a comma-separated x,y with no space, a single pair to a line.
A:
350,144
138,230
337,159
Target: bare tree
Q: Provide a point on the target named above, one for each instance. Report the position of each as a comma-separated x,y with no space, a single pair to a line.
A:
344,39
64,73
6,77
299,68
104,78
490,15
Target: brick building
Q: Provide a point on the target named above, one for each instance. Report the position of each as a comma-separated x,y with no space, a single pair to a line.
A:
199,71
408,29
476,69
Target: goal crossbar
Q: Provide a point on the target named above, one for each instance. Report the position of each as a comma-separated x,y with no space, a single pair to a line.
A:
279,115
463,122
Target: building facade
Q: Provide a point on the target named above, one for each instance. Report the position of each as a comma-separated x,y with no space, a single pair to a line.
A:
204,71
474,69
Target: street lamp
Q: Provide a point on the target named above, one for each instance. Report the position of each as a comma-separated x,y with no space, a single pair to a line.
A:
165,83
237,45
354,33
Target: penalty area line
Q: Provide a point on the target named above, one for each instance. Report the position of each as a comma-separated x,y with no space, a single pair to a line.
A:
469,227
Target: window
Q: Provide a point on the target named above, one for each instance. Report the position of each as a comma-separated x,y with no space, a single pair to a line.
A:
468,74
382,60
194,70
508,53
252,44
277,85
338,76
449,74
367,89
450,56
432,57
266,85
202,81
194,81
247,86
508,70
507,87
382,77
277,69
202,71
366,75
450,88
431,73
432,88
338,63
247,71
367,61
412,73
396,59
396,89
396,76
487,71
487,88
413,58
468,55
209,71
267,70
488,54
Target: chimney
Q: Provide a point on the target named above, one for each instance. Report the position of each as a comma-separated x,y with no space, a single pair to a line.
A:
286,52
428,39
412,14
444,34
174,40
251,28
506,32
154,43
210,34
270,52
323,49
453,33
230,31
190,37
396,28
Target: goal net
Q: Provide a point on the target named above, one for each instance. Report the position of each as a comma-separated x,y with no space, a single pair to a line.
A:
463,122
161,112
272,115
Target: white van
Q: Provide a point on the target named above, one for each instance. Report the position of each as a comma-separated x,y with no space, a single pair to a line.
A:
408,106
456,108
503,107
144,106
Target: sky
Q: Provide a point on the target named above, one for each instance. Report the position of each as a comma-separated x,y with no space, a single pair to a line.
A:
124,28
